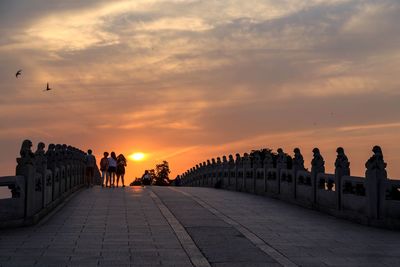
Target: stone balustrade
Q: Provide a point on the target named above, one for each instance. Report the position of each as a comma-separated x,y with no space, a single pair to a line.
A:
43,180
371,200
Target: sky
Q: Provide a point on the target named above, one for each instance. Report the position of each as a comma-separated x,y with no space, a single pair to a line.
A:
188,80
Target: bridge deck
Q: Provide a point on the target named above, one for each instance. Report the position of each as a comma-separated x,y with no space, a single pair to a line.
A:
193,226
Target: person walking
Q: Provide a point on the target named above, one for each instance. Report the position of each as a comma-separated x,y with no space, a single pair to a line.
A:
121,163
90,165
112,168
104,169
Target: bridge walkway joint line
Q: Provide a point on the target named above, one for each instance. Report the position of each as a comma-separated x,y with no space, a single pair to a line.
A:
98,227
193,252
307,237
258,242
219,242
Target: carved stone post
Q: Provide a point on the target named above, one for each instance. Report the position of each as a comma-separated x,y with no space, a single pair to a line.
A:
376,183
342,168
256,164
298,165
238,165
41,170
213,172
246,171
317,166
61,166
268,163
225,170
281,163
230,166
52,166
82,169
26,168
208,173
220,176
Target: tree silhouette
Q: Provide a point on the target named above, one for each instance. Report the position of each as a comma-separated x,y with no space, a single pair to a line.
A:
162,172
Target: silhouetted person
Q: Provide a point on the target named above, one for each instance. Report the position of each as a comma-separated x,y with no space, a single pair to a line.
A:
146,178
104,169
90,165
112,168
121,163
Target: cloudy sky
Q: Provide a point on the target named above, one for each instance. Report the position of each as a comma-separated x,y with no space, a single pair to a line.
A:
186,80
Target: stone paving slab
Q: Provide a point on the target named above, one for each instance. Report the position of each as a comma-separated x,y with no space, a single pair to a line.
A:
306,237
157,226
218,241
99,227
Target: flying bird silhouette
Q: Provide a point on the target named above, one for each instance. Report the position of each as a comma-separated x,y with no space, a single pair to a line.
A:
19,72
47,88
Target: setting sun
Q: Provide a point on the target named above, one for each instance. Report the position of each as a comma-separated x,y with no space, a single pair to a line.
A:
137,156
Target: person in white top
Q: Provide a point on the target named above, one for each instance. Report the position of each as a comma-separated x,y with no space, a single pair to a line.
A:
112,168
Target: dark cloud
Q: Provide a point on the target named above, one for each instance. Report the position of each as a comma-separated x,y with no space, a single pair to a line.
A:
198,73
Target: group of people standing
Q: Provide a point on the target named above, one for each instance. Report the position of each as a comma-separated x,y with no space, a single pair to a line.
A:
112,167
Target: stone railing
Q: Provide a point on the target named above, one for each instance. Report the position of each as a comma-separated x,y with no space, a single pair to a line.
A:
43,180
371,200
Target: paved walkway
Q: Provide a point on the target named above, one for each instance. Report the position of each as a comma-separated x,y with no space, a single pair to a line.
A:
156,226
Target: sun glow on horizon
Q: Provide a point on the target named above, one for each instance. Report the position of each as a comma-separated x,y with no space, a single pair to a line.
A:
137,156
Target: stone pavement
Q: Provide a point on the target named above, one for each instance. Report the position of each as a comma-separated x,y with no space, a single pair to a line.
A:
306,237
159,226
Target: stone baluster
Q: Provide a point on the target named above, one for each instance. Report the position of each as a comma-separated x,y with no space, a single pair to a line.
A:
204,173
41,182
342,168
26,168
200,174
225,170
208,173
256,165
231,169
376,183
298,165
219,170
82,166
191,174
268,163
72,160
61,169
247,171
317,166
213,172
52,166
196,174
281,163
238,167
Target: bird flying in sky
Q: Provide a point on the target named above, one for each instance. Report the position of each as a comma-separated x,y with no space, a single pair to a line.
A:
47,88
19,72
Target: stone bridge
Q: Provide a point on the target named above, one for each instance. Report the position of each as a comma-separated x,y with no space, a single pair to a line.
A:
70,225
44,179
371,200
